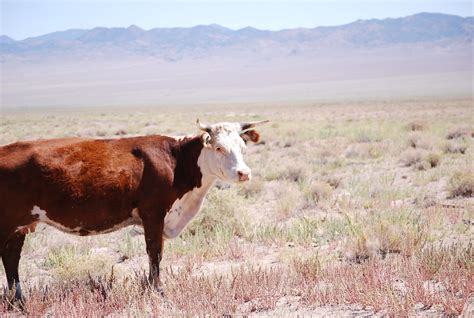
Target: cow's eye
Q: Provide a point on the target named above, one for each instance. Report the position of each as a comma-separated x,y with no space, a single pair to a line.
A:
219,149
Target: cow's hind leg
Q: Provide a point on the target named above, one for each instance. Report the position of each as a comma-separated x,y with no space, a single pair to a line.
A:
11,259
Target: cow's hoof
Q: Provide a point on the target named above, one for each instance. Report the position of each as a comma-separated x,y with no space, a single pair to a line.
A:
155,284
15,303
160,291
20,303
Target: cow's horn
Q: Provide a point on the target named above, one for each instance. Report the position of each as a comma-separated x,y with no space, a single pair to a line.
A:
203,127
247,126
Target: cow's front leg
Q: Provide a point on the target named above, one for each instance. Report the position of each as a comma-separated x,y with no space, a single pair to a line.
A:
153,226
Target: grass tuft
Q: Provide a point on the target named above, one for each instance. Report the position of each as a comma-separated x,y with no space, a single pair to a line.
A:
461,183
458,132
454,147
416,125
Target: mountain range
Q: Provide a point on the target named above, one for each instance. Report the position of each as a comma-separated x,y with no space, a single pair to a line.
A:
212,39
420,55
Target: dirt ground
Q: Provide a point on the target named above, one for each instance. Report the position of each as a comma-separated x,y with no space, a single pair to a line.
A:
357,208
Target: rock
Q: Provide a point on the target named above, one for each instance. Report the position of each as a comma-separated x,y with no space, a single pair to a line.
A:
396,203
421,307
288,303
106,253
101,251
400,286
468,309
281,302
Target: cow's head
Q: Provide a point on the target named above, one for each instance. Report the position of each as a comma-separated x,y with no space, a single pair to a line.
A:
224,145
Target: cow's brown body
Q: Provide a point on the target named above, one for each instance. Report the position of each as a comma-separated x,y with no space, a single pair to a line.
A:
93,186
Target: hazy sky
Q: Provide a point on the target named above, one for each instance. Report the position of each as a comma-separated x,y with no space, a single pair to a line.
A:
24,18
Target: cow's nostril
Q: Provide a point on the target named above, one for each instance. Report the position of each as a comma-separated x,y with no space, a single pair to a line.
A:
243,176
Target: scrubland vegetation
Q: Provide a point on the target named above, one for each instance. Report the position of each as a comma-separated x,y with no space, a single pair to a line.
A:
361,207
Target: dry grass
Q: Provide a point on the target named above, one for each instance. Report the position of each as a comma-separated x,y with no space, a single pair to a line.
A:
351,204
431,160
458,132
461,183
416,140
420,159
288,200
391,287
318,191
412,157
454,147
417,125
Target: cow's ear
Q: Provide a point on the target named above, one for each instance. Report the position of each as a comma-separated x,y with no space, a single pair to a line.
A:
206,139
250,135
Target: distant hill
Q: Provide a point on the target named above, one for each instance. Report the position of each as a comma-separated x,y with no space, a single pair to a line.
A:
5,40
425,54
209,39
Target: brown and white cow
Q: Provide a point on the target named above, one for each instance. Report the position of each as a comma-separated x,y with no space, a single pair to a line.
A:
86,186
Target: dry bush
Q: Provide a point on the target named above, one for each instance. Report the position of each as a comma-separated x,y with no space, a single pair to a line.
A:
435,258
68,263
364,150
454,147
292,172
461,183
222,209
420,159
431,160
302,231
416,125
334,181
289,199
411,157
308,267
252,188
131,246
120,132
415,140
318,191
236,250
150,130
458,132
101,133
356,151
366,135
391,231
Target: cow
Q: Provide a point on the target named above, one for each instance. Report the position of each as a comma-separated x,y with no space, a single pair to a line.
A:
94,186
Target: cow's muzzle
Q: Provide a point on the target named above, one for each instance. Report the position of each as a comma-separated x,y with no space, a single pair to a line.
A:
244,175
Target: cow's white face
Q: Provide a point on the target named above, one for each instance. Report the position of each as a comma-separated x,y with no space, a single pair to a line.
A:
224,146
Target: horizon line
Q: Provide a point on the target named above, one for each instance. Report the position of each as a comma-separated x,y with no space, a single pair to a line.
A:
234,29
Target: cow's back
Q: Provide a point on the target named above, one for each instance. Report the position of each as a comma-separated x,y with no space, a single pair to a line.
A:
77,167
69,177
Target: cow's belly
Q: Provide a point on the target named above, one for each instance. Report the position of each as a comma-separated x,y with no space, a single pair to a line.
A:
79,227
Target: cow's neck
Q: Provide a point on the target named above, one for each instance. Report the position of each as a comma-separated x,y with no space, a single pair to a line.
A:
190,201
187,174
